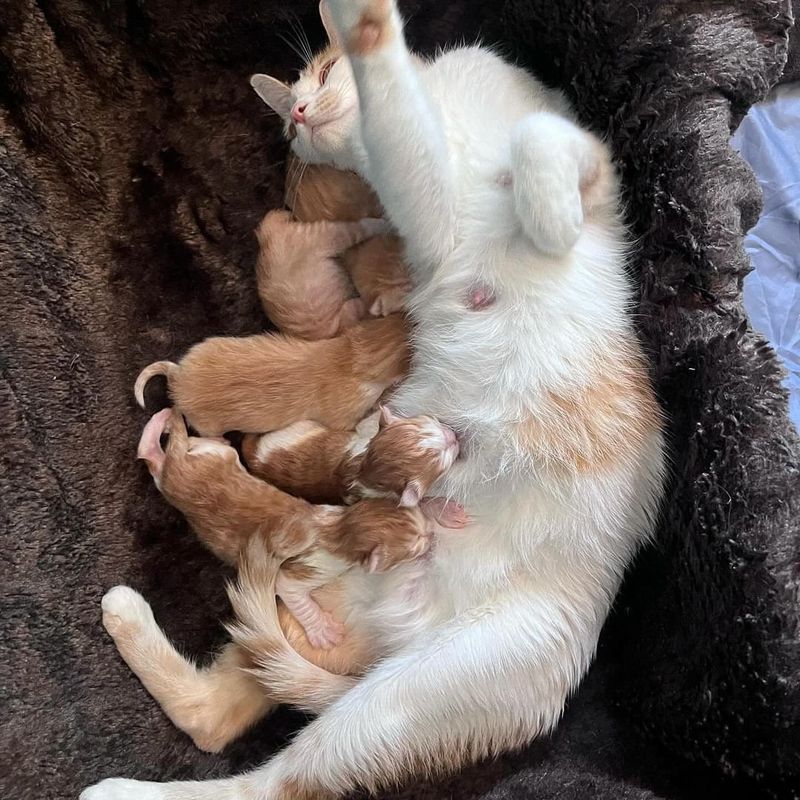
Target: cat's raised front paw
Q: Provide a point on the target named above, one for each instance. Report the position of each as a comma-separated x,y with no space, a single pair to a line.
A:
363,25
123,789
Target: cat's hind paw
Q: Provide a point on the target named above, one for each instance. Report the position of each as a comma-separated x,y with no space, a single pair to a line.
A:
123,789
126,613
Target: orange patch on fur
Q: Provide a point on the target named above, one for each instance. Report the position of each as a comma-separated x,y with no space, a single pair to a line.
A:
297,790
599,424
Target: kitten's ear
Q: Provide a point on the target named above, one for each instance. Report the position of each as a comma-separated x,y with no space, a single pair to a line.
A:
276,94
327,23
412,494
387,417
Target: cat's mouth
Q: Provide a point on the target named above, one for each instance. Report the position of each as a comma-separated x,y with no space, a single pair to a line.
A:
314,129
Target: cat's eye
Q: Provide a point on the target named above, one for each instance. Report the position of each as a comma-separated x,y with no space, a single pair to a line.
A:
326,70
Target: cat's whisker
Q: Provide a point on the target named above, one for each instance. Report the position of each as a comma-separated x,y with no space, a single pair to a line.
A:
293,46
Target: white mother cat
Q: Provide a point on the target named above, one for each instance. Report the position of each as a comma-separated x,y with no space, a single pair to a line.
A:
492,185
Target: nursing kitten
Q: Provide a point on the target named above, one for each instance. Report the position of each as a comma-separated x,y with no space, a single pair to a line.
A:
252,383
376,267
388,455
488,179
303,289
226,507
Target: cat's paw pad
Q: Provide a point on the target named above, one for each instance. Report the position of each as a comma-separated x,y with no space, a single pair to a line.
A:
364,25
123,789
125,611
326,633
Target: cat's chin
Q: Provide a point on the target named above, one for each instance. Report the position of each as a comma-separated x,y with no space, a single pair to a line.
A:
311,155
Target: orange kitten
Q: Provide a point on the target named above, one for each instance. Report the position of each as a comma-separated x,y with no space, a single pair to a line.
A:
265,382
304,290
402,460
204,479
319,192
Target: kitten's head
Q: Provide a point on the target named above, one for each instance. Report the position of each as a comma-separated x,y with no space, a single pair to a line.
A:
407,455
320,109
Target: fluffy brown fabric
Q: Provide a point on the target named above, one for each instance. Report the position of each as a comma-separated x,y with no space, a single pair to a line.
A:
135,162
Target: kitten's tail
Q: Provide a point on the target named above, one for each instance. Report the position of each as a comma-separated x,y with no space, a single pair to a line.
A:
285,674
166,368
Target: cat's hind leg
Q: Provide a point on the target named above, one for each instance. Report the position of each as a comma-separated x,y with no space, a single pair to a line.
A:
214,705
555,170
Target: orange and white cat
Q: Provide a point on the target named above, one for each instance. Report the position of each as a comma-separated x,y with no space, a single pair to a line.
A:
488,178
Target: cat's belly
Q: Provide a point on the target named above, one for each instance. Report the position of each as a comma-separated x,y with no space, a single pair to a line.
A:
465,569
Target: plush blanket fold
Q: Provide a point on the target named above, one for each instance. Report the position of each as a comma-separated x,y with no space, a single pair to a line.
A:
135,162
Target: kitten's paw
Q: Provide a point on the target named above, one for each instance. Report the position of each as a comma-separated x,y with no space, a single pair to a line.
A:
326,633
389,302
363,25
125,612
123,789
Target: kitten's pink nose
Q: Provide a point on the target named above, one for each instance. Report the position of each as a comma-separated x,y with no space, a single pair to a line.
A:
450,436
299,113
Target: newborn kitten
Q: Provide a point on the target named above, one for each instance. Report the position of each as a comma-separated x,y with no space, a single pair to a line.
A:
304,290
388,456
246,384
226,507
376,267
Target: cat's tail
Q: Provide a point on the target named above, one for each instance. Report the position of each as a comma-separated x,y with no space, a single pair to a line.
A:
285,674
166,368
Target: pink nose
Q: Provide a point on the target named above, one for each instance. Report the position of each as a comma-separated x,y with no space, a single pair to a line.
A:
450,436
299,114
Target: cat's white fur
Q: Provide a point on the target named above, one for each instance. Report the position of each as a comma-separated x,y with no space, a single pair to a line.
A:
482,170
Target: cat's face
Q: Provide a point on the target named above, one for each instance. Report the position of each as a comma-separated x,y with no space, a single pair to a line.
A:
320,110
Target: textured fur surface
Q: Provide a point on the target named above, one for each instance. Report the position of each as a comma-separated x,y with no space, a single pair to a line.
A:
695,690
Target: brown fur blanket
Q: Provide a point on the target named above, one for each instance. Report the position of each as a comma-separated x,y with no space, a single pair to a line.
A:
135,162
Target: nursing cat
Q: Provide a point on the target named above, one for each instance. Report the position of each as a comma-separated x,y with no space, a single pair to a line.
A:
497,193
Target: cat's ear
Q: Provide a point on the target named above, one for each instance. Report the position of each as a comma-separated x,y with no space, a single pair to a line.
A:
327,23
276,94
412,494
387,417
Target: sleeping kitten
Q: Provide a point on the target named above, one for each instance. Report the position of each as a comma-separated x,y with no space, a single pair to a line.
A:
376,267
252,384
303,289
488,178
226,507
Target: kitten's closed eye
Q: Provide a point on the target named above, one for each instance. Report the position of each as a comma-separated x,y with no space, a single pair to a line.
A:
326,70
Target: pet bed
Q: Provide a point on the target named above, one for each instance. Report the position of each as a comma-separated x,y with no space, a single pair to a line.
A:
135,162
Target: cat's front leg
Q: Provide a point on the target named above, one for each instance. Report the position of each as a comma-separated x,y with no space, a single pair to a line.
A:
401,128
